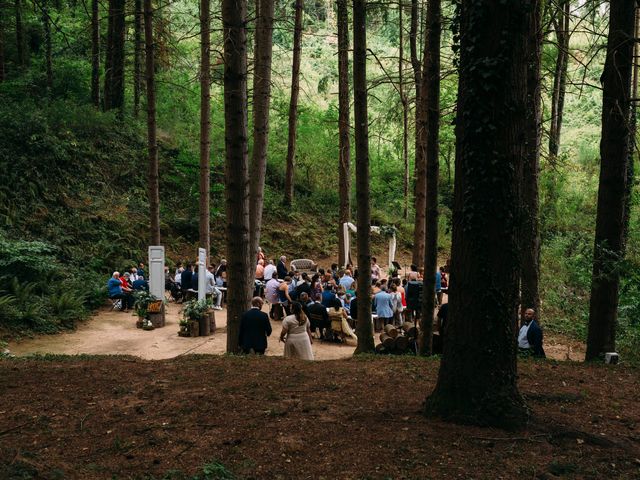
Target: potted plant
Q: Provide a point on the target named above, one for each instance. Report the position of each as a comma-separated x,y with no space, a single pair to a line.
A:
142,300
194,312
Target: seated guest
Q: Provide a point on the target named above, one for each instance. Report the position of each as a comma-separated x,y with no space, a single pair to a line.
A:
303,286
133,274
114,290
328,297
125,282
338,316
140,284
220,272
319,319
185,279
347,303
347,280
316,288
269,270
212,291
530,336
254,328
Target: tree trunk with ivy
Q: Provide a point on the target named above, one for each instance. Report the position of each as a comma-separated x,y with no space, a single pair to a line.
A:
430,95
364,327
293,104
261,102
344,167
477,381
241,268
614,154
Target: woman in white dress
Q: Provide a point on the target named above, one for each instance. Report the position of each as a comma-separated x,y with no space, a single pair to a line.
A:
296,333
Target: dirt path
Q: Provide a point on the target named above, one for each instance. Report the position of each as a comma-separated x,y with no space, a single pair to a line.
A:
110,332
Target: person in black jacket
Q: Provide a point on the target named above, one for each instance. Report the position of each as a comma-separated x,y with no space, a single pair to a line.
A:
530,335
281,267
254,328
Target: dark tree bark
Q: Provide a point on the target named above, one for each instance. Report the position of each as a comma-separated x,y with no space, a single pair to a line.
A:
240,279
138,45
561,25
431,97
413,46
530,274
364,327
114,68
477,378
2,74
405,114
21,46
46,24
614,153
205,124
293,104
95,53
154,181
344,168
261,104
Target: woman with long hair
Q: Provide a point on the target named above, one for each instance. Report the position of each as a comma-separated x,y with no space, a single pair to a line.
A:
296,334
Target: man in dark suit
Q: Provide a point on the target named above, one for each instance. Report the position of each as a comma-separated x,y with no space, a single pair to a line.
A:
530,336
254,328
281,267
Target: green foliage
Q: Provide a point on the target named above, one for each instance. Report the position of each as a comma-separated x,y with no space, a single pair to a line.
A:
142,300
194,310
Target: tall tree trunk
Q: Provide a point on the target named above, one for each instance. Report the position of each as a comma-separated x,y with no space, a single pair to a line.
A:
530,274
420,166
261,104
46,22
114,68
137,55
95,53
560,78
21,46
405,114
477,381
241,267
205,124
344,168
293,104
614,153
2,74
633,115
431,97
154,181
364,327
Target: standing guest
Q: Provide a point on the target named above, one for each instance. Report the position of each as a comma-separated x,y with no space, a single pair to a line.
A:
316,288
269,270
347,280
281,268
383,305
178,277
254,328
283,294
271,293
114,289
414,296
260,270
260,256
396,300
222,268
296,335
530,335
438,288
444,281
376,273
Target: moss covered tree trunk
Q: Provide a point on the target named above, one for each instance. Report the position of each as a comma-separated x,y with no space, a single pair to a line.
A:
205,124
477,382
95,53
293,104
138,46
153,175
240,266
614,154
261,104
431,129
344,167
364,327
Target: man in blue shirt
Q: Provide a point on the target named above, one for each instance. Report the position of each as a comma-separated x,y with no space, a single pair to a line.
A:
439,287
347,280
114,290
328,296
383,305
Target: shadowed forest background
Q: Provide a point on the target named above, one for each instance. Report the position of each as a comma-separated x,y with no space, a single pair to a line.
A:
73,201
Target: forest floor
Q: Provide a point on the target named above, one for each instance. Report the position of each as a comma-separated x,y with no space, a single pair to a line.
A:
119,417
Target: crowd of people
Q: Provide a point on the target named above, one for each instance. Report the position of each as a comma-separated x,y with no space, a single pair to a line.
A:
321,303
